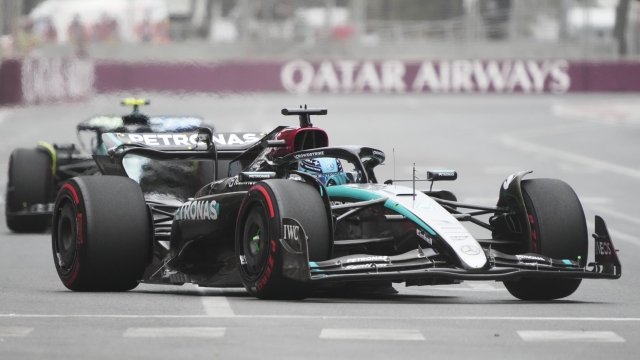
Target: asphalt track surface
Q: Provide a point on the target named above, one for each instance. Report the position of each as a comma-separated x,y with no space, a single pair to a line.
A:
589,141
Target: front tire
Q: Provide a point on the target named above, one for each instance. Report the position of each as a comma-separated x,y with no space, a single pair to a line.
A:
101,234
558,230
259,251
30,182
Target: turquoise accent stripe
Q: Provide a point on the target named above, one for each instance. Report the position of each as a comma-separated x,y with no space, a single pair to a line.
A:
314,266
364,195
345,191
568,262
389,204
112,137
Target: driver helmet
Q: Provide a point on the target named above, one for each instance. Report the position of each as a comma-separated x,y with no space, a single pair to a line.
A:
328,170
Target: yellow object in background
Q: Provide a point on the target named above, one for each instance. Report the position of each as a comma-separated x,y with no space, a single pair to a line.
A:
135,102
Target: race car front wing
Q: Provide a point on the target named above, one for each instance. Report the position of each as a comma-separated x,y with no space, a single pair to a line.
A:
426,264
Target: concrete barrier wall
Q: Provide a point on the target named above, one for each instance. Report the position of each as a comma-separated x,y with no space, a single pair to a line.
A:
45,80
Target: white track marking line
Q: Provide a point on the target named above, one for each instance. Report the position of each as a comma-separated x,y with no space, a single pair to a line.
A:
325,317
570,336
570,157
371,334
215,305
159,332
6,331
618,235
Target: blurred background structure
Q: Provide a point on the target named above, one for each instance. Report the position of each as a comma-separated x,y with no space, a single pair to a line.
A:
64,49
399,29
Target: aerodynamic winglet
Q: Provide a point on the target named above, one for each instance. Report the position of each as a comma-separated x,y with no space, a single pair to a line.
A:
605,253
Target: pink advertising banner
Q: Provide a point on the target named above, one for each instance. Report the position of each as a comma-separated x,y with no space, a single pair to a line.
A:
44,80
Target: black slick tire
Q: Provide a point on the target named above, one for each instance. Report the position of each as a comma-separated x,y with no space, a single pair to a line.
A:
30,182
101,234
259,251
558,230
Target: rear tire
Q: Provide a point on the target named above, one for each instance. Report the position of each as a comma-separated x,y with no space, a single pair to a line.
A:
30,182
558,230
259,231
101,234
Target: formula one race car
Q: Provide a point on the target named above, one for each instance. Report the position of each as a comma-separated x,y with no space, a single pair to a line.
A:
36,174
290,215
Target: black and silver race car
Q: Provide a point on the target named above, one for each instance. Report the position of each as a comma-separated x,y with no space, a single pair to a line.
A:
275,222
36,174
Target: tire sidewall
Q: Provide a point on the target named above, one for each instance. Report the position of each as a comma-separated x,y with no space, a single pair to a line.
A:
266,282
113,246
69,194
47,182
544,230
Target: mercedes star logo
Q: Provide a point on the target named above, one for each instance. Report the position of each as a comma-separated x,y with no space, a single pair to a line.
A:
470,250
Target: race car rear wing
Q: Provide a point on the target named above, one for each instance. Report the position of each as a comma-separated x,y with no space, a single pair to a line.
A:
196,141
167,146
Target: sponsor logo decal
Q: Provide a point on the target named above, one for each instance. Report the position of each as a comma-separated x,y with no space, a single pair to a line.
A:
39,208
470,250
508,181
236,139
365,266
446,76
529,258
426,206
308,155
334,203
424,236
267,273
198,210
256,176
378,153
533,264
164,139
291,232
459,237
368,258
603,248
311,165
235,182
189,139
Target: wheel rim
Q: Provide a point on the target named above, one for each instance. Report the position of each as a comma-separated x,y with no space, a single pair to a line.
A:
254,242
66,240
